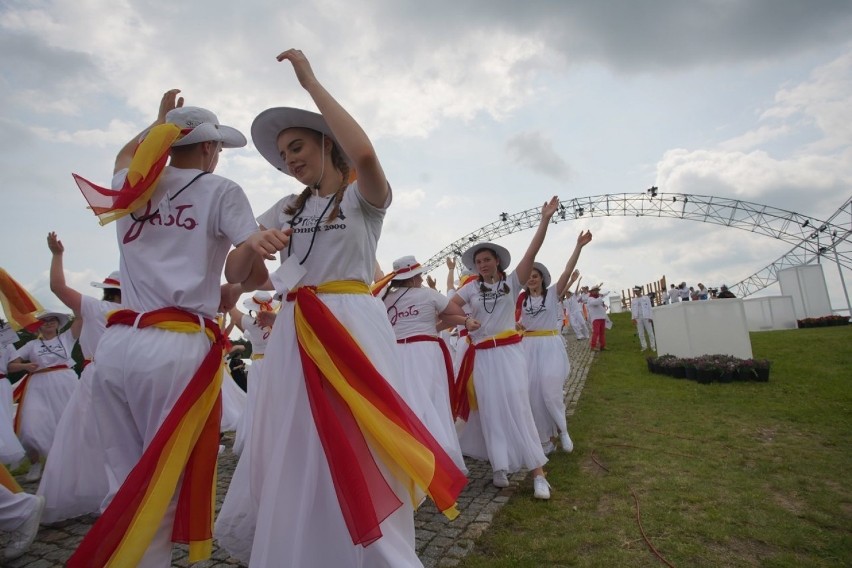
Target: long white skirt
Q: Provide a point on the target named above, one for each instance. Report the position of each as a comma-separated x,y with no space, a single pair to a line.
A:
75,478
547,367
46,397
425,388
243,433
502,429
233,401
284,468
11,450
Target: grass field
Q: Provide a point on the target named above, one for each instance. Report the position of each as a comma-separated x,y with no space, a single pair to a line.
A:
736,474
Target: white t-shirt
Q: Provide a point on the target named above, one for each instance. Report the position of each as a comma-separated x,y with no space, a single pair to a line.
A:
7,353
597,308
175,257
49,352
94,313
259,336
674,295
495,308
344,249
574,304
414,311
542,313
640,308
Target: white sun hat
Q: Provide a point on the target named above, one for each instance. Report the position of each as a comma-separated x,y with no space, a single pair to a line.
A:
406,267
259,300
503,254
200,125
545,274
269,124
111,281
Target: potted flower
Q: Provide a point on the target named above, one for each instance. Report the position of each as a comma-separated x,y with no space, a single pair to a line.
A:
666,364
705,369
689,369
761,369
745,370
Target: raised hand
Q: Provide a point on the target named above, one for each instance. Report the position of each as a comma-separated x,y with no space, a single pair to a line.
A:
431,282
451,263
584,238
169,102
301,66
54,244
549,208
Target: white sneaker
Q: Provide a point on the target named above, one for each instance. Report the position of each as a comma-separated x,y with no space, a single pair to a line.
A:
548,448
21,538
34,474
501,479
566,442
541,488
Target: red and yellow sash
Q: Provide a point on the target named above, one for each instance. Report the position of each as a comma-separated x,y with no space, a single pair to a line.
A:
356,410
187,444
8,481
448,361
20,393
465,394
18,304
146,167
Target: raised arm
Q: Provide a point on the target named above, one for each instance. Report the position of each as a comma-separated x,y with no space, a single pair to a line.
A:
451,273
351,137
67,295
169,101
236,318
562,283
525,265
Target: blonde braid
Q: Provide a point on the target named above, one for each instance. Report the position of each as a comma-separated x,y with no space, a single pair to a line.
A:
294,208
343,167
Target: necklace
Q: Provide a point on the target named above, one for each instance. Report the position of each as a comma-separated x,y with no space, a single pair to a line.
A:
483,292
292,222
49,348
145,218
530,311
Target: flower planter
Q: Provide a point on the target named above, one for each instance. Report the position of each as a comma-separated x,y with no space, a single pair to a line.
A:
745,374
726,377
706,376
691,372
761,375
679,372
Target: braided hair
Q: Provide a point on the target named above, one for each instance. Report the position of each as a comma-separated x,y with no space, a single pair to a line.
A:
543,289
482,289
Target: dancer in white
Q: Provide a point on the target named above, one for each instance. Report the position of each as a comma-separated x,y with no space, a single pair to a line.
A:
500,425
579,325
11,450
75,475
427,368
329,486
640,310
261,305
20,514
46,389
547,359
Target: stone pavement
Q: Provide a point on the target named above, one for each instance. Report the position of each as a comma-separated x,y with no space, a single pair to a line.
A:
439,542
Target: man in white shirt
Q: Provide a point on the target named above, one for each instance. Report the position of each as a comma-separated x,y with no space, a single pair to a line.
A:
640,308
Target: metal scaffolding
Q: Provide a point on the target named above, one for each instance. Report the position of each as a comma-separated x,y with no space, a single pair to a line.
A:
811,238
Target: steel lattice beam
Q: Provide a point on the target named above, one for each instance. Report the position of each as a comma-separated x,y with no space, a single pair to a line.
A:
810,237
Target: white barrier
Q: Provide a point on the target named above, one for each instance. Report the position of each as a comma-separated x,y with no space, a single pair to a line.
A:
691,329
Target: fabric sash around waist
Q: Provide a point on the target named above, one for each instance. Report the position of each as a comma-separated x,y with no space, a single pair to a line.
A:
19,393
256,356
465,394
356,410
448,360
186,443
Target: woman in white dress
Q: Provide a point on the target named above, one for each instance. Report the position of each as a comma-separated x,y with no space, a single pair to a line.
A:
11,450
427,368
500,426
75,479
330,478
46,389
547,359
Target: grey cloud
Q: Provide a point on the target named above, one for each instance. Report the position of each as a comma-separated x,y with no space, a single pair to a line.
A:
29,62
534,150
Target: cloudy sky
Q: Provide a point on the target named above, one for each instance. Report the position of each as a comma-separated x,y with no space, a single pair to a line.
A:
475,108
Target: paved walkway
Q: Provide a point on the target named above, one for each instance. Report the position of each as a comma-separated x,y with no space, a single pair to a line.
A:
439,542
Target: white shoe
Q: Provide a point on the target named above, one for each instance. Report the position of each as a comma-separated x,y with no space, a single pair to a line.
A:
501,479
566,442
22,537
548,448
34,474
541,488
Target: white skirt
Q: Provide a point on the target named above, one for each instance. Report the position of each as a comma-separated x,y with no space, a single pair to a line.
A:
547,367
502,429
233,401
243,433
75,480
46,397
425,388
284,471
11,450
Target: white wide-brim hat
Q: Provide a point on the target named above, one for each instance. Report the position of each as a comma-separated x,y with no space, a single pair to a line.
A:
258,298
406,267
545,274
111,281
501,252
270,123
63,318
200,125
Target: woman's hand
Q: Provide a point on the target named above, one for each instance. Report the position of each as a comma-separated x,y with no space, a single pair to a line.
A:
584,238
266,319
431,282
170,101
301,66
267,243
471,324
549,208
54,244
451,263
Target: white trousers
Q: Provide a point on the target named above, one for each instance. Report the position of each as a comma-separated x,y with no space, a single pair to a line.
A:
648,327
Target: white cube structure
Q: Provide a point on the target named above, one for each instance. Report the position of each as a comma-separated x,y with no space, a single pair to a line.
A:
806,284
615,305
691,329
771,312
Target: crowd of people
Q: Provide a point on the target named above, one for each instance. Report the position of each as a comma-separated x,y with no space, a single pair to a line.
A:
366,392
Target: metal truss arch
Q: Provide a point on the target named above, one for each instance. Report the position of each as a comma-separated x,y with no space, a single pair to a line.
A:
810,237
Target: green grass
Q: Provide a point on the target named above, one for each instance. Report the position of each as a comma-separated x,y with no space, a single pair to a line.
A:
737,474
